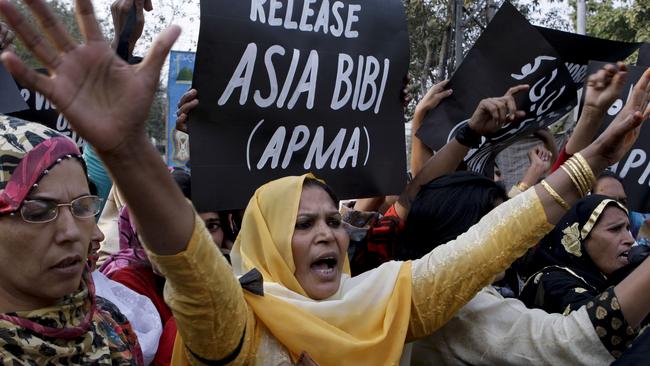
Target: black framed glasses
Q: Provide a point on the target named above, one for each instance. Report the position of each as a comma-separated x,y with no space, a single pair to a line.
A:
42,211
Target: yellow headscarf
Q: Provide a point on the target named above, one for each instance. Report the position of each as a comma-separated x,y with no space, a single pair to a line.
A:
364,323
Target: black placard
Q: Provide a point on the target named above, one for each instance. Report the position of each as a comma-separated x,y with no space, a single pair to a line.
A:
509,52
577,50
634,167
10,100
348,131
40,110
644,55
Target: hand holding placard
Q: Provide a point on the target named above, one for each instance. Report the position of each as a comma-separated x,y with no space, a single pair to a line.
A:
121,10
493,113
431,99
188,102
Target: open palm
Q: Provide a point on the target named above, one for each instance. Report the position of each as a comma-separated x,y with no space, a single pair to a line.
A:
603,87
105,99
624,130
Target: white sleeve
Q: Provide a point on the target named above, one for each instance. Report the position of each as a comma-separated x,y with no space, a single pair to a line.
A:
140,311
491,330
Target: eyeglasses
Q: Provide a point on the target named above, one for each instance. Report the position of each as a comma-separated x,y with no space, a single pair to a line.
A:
42,211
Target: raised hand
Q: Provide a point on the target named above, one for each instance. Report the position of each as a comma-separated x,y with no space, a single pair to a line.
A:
604,87
432,98
622,133
493,113
105,100
185,105
120,10
540,159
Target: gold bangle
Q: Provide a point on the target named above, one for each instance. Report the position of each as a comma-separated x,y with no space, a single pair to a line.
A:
522,186
571,175
579,175
583,173
559,200
586,168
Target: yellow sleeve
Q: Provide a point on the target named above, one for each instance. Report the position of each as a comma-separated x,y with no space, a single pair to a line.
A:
449,276
206,299
514,191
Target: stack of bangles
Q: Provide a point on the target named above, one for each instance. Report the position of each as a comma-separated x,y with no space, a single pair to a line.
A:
580,174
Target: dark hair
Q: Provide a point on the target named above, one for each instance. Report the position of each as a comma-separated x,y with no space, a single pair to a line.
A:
311,182
230,229
445,208
184,181
607,174
92,187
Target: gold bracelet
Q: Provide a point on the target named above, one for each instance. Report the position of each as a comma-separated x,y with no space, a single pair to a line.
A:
571,175
522,186
583,172
559,200
579,176
586,169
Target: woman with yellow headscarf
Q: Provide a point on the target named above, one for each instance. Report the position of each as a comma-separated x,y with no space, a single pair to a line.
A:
334,318
291,238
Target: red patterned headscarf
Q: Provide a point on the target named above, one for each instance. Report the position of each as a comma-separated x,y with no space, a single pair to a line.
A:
27,151
81,329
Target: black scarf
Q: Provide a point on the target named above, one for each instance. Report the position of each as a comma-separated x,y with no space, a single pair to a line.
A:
564,245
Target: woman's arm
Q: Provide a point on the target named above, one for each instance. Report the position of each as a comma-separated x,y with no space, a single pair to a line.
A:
540,161
633,294
490,115
207,301
420,153
615,313
598,98
525,336
107,101
451,274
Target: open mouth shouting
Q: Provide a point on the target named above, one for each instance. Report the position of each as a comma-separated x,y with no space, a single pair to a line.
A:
326,266
623,257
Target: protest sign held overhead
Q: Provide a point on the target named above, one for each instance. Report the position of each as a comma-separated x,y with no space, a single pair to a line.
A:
294,86
634,167
42,111
10,99
181,68
488,72
577,50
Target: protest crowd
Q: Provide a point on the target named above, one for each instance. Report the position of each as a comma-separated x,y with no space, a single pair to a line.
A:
110,256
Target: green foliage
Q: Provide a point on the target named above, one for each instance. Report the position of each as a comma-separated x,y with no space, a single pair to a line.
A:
185,74
156,124
431,31
61,10
619,21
